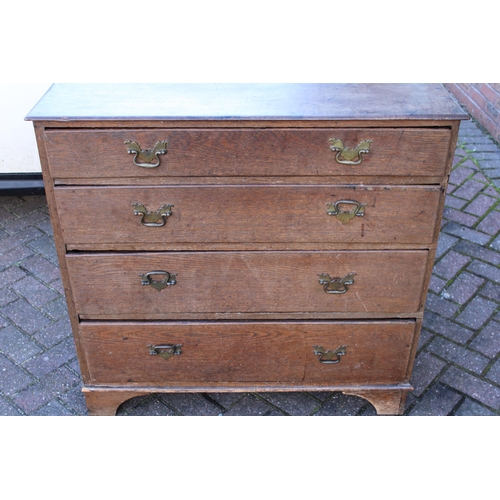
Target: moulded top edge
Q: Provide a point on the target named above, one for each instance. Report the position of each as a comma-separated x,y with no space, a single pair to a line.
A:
232,102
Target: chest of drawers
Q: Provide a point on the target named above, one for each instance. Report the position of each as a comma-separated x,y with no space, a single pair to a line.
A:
246,237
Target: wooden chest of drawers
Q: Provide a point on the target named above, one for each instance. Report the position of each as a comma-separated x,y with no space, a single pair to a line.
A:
246,237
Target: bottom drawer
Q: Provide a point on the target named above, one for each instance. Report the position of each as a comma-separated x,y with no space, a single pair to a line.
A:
326,352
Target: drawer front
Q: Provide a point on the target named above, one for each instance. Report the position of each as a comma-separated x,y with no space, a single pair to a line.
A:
108,286
181,353
247,214
248,152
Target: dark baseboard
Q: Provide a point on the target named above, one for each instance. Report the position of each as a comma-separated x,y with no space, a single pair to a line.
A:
21,184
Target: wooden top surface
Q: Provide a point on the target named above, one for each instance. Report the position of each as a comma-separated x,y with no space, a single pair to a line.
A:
76,102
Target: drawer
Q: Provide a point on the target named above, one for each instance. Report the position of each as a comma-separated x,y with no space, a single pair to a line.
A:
330,353
248,152
243,214
117,286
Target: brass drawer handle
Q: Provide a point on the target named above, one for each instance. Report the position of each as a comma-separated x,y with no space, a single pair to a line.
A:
144,157
152,219
336,285
329,357
169,280
345,216
165,351
349,154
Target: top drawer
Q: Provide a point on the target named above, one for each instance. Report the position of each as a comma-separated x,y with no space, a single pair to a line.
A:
414,152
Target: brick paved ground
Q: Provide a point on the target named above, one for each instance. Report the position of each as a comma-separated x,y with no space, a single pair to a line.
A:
457,369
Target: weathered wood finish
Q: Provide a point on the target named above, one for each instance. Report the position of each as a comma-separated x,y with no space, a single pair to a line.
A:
59,245
249,171
246,282
247,214
104,403
105,400
238,102
376,352
236,152
386,402
242,181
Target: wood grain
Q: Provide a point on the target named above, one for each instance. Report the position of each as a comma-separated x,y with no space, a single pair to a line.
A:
249,171
59,245
234,102
268,181
247,152
386,402
376,352
218,215
146,124
103,400
246,282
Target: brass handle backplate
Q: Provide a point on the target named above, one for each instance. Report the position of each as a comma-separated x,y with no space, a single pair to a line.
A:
347,156
345,216
336,285
145,157
165,351
152,219
329,357
169,280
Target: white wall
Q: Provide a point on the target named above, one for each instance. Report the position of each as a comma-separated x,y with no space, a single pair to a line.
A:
18,151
